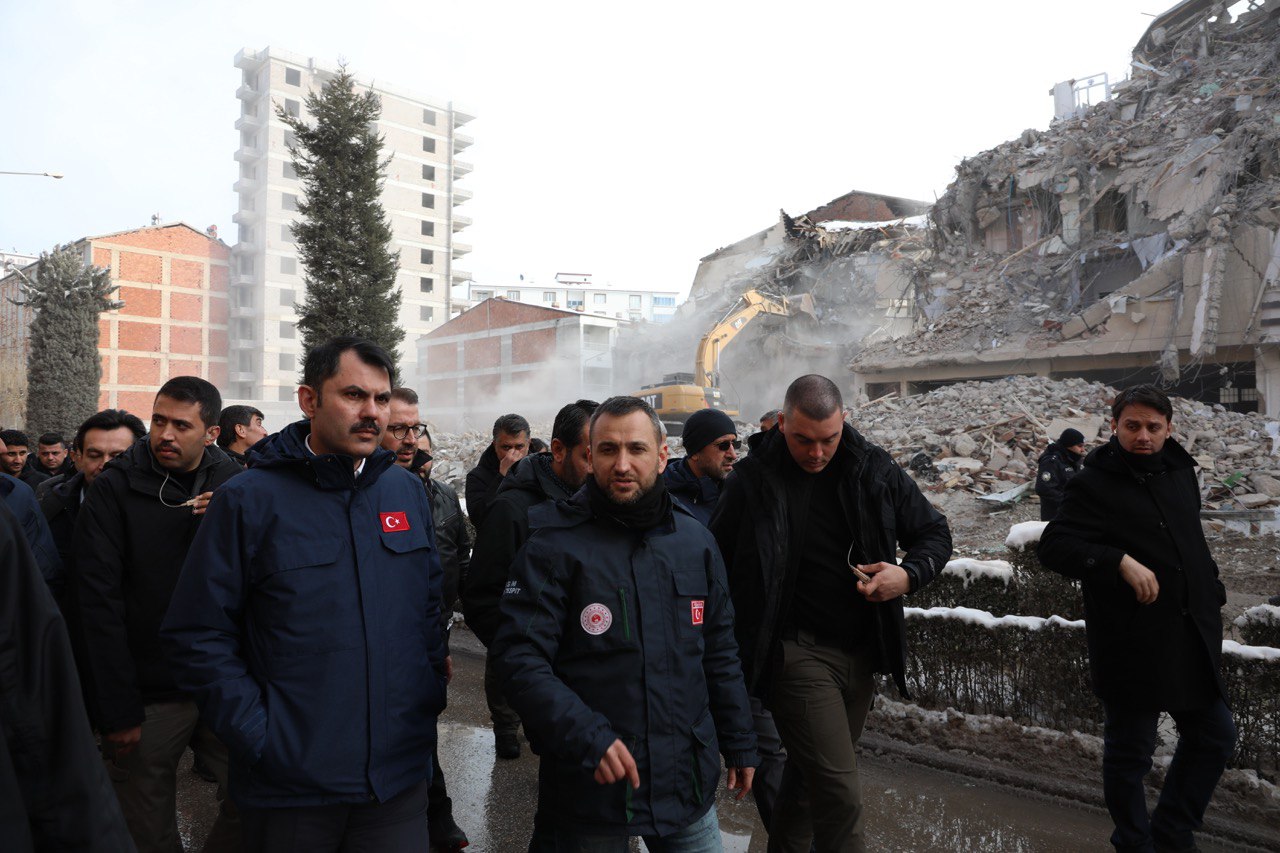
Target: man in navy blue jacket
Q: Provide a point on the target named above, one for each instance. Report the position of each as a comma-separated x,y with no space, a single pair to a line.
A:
307,623
617,648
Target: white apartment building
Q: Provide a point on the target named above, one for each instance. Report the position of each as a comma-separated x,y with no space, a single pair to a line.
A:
420,196
577,292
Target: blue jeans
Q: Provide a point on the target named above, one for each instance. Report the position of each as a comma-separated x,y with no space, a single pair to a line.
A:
701,836
1206,739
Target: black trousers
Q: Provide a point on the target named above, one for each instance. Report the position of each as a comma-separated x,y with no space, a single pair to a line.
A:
397,826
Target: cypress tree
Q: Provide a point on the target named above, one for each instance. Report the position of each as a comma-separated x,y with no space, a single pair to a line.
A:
344,235
63,367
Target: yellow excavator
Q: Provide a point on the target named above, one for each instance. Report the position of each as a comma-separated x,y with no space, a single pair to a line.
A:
679,395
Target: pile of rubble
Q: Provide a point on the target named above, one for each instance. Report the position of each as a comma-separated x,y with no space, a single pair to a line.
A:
986,437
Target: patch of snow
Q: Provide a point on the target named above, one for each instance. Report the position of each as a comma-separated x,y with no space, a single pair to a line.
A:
918,221
968,569
1025,534
984,619
1231,647
1261,613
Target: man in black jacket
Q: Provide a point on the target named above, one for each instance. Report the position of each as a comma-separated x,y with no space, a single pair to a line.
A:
554,475
711,445
1058,464
453,546
813,506
131,538
15,454
1129,530
51,457
54,790
510,445
239,428
616,646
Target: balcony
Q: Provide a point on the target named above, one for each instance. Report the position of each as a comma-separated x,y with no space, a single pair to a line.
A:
461,169
461,277
245,186
238,342
461,196
246,217
243,310
245,247
460,222
248,121
461,116
245,154
249,60
243,279
460,249
247,93
462,142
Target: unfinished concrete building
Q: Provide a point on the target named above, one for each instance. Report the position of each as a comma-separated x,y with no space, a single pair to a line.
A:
1135,241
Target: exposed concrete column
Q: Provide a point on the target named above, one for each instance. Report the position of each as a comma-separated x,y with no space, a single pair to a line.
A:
1267,363
1204,323
859,386
1069,206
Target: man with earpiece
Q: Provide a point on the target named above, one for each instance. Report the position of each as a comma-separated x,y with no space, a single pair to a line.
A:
131,539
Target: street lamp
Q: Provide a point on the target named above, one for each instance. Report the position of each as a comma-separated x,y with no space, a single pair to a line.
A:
57,176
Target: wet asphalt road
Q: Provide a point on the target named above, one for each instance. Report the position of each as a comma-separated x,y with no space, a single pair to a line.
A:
908,807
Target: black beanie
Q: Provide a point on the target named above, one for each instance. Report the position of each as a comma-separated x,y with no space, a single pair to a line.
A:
1070,438
705,426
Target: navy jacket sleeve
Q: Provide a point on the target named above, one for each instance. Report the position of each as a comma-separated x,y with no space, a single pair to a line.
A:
35,527
1074,543
505,529
201,630
726,689
99,582
533,609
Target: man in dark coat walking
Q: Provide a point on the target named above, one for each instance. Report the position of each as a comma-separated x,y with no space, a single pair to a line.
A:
813,506
553,475
1058,464
131,538
1129,529
510,445
616,646
711,446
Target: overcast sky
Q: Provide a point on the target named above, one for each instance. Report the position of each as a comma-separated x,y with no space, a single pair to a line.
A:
622,140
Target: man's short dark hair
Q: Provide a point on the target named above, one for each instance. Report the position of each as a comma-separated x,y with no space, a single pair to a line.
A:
426,433
771,415
1142,395
620,407
536,445
408,396
511,425
193,389
14,438
49,439
108,420
232,417
816,397
322,361
570,420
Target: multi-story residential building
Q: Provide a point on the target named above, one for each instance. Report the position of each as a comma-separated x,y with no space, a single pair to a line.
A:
578,292
421,139
173,280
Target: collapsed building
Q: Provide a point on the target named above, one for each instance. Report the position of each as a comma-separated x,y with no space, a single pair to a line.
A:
1135,240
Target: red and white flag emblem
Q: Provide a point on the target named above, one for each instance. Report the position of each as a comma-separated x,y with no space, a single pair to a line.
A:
394,522
697,607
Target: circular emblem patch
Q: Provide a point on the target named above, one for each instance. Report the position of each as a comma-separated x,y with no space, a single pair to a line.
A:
595,619
1046,476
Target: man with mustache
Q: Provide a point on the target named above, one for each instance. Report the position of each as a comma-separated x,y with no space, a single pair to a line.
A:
616,647
307,622
131,537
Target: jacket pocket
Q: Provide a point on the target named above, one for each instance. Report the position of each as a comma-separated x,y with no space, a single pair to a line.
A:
704,761
304,599
690,602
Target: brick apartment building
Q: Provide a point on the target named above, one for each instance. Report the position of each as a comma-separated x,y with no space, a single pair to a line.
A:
503,356
173,281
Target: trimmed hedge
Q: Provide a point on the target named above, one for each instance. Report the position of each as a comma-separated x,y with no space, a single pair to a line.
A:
1028,590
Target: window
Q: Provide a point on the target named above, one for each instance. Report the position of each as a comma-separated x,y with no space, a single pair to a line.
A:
427,256
248,172
292,77
633,301
290,201
288,296
599,298
428,200
288,361
426,284
286,394
548,296
575,303
426,313
513,295
429,144
428,173
289,170
288,330
244,361
247,140
246,265
245,233
244,297
428,116
288,266
664,301
290,139
286,232
428,228
292,107
482,295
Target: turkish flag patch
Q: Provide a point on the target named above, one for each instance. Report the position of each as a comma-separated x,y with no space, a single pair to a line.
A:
697,606
394,522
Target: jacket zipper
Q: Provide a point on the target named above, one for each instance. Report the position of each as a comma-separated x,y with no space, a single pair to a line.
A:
626,621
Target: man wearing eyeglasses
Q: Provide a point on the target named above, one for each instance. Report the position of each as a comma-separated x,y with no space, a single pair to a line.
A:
405,432
711,447
809,526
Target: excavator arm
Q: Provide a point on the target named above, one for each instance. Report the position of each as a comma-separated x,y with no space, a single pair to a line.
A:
749,306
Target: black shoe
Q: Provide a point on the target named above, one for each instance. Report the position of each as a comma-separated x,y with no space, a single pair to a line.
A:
506,744
447,837
202,770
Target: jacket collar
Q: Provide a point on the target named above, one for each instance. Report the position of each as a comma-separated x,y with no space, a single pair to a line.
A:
576,510
772,449
327,471
145,474
534,474
1109,457
682,480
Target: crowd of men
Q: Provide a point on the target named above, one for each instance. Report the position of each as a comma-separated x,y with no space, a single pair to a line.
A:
279,603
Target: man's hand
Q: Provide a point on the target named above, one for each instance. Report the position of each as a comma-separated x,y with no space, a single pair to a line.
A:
616,765
1142,579
124,741
201,503
741,778
888,581
448,669
511,457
